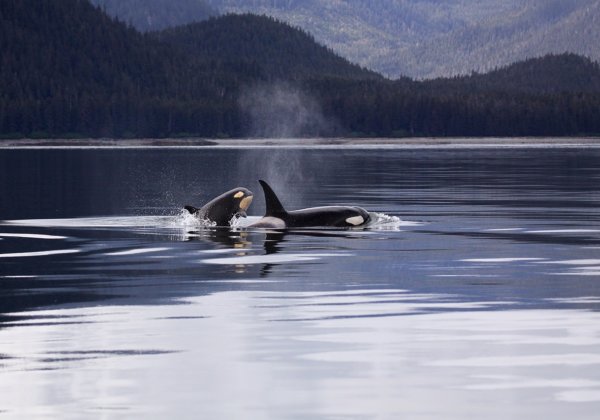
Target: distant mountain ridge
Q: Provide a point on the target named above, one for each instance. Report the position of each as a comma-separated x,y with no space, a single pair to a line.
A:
551,74
438,38
264,45
415,38
544,27
154,15
69,70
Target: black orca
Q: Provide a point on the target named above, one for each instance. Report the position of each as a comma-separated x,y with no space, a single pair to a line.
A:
222,209
276,217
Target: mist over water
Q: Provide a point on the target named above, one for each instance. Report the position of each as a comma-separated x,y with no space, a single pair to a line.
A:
292,176
282,110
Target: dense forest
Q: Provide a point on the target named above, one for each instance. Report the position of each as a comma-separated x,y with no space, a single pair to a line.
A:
549,74
69,70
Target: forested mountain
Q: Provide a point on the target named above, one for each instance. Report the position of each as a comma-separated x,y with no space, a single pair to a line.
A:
261,43
536,28
153,15
551,74
433,38
67,69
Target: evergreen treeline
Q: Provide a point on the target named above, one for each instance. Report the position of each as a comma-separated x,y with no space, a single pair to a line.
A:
398,109
549,74
69,70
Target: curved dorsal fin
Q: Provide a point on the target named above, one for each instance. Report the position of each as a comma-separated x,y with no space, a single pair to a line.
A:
273,204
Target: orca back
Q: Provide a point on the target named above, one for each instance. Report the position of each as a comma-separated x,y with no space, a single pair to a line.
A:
334,216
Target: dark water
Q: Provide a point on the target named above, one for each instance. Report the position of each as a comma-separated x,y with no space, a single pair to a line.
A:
478,287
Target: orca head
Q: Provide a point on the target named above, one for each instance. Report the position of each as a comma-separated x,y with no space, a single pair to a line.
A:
222,209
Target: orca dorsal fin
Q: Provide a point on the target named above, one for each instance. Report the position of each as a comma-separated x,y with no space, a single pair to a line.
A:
274,206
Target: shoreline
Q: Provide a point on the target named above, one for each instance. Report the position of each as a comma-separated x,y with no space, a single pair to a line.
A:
409,142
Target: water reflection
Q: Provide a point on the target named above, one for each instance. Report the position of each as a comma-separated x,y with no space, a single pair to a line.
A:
147,259
383,352
221,236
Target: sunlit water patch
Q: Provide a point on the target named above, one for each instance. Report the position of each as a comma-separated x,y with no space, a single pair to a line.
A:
30,236
39,253
111,222
385,353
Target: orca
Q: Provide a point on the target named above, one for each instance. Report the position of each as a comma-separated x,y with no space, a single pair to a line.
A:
224,208
276,217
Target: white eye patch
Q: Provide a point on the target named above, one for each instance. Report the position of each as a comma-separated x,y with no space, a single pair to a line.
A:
355,220
245,203
238,194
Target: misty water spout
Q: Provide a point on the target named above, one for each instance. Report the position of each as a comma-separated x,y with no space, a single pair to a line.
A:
281,110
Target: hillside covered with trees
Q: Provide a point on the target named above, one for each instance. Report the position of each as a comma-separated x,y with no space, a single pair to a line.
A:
69,70
438,38
273,49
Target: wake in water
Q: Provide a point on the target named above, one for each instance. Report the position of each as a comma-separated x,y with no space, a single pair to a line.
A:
379,221
186,221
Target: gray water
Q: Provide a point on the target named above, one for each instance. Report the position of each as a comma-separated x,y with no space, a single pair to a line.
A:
475,294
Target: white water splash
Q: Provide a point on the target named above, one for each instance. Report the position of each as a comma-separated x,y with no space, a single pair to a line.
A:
182,220
382,221
186,219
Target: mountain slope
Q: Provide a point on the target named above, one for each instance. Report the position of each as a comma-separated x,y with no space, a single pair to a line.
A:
549,27
153,15
433,38
548,75
69,68
262,45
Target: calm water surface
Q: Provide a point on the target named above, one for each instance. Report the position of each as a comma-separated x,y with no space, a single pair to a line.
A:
475,294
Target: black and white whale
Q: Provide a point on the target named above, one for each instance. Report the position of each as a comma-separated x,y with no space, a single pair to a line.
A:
222,209
276,217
